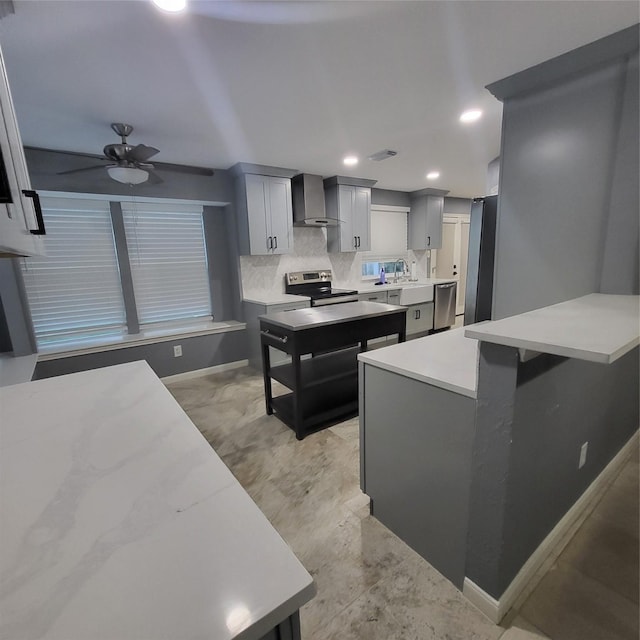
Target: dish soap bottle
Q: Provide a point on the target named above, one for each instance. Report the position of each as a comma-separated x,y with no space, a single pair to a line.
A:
382,276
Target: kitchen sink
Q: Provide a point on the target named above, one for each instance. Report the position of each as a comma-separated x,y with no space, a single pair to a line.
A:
414,293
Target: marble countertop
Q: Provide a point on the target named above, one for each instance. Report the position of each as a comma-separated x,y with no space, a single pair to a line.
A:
448,360
17,370
596,327
312,317
120,521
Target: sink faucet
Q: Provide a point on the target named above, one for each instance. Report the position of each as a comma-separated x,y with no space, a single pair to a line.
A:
395,271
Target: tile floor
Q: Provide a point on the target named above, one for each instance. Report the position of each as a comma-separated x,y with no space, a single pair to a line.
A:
370,584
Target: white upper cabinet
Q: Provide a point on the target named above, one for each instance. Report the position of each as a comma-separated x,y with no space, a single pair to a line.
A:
425,220
265,213
351,204
21,224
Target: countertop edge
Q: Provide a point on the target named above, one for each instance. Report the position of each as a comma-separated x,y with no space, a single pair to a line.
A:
434,382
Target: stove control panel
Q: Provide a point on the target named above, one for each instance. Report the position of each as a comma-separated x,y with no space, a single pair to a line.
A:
301,277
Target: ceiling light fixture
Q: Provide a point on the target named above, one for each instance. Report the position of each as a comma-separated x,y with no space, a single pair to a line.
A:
128,175
172,6
350,161
471,115
433,175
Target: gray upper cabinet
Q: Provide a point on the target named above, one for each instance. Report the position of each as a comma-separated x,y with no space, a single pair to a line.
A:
425,220
265,214
349,200
21,225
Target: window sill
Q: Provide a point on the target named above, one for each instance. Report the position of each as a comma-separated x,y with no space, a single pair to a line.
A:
147,336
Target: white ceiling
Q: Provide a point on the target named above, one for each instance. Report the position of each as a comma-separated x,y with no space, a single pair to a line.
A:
289,84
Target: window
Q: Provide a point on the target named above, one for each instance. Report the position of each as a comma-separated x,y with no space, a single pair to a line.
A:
389,230
168,261
74,292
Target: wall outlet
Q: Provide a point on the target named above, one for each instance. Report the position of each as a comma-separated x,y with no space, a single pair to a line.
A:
177,350
583,455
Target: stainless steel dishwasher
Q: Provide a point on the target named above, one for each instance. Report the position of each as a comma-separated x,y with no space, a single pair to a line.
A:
444,308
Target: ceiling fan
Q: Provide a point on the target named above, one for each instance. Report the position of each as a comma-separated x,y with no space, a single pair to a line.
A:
129,163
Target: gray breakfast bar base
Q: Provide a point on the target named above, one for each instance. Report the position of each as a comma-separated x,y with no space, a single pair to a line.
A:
471,441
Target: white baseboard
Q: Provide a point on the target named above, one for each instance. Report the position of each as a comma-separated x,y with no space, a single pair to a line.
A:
494,609
197,373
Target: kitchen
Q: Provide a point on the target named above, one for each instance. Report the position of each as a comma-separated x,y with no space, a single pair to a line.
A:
513,299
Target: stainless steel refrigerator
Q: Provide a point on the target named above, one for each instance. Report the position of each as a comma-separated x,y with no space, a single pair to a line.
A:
482,244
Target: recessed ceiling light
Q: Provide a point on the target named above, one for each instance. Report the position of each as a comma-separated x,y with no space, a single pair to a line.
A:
433,175
172,6
471,115
350,161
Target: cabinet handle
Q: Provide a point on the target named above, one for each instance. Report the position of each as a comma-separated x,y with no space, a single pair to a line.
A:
40,231
374,298
269,242
418,318
428,241
275,242
355,242
358,242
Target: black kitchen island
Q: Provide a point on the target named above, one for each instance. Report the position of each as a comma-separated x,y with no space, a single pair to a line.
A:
324,385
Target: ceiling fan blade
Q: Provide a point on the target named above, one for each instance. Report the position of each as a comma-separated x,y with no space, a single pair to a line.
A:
141,153
154,178
92,168
183,168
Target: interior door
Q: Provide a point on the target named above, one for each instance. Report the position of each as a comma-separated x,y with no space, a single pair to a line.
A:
452,257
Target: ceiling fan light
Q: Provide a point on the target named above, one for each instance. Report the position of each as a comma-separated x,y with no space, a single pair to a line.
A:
128,175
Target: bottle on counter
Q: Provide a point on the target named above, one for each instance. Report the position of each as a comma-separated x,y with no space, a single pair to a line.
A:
382,276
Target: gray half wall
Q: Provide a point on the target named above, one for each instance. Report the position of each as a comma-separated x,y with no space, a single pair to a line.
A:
198,352
525,460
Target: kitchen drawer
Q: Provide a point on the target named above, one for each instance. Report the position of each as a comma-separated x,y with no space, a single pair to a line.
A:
374,296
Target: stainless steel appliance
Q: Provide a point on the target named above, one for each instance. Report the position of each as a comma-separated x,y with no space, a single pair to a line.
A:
482,244
444,307
317,286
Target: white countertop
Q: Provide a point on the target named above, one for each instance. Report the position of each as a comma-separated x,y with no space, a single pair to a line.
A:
448,360
268,299
597,327
17,370
119,521
389,285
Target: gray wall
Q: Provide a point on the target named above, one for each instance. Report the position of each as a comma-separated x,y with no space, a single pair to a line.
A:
457,205
493,178
388,197
568,207
531,421
16,331
198,352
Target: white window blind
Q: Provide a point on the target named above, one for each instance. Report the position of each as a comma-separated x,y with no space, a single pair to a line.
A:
168,261
74,291
389,233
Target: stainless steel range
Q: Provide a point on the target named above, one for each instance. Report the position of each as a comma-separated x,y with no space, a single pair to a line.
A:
317,286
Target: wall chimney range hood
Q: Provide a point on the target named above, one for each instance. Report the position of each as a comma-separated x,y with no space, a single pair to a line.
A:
307,191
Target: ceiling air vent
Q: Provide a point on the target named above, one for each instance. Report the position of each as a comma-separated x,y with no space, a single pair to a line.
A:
383,155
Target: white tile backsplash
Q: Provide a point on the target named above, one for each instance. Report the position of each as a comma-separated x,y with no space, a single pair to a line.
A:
265,274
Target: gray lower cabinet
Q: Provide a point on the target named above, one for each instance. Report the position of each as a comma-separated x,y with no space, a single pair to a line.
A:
252,310
420,318
416,443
